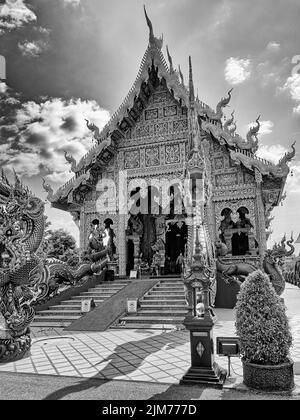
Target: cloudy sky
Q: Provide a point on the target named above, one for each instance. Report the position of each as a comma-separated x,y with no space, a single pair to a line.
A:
67,60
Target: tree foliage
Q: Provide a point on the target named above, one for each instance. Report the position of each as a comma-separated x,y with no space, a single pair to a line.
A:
261,322
61,245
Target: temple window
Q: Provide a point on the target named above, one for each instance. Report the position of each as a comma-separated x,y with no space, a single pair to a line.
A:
236,232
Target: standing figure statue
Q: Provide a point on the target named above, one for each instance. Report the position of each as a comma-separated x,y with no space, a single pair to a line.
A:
156,263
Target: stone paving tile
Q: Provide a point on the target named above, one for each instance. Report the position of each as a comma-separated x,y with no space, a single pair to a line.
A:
154,356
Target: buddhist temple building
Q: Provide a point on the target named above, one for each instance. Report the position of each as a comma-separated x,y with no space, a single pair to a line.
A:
162,135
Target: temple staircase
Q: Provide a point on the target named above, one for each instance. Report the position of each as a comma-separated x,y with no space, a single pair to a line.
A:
163,307
62,315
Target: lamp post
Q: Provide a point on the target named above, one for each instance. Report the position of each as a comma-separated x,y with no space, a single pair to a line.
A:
204,370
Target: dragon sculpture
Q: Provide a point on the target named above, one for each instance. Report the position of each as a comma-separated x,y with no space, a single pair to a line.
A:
252,139
25,278
71,161
218,115
94,129
229,122
272,263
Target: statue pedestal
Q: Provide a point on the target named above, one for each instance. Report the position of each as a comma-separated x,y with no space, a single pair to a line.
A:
204,370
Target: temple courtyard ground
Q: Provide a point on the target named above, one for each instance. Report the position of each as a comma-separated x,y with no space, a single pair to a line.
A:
130,364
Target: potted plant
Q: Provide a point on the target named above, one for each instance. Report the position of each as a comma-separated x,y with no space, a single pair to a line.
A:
265,337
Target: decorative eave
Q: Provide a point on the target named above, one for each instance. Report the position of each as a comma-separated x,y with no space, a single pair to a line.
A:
227,136
252,162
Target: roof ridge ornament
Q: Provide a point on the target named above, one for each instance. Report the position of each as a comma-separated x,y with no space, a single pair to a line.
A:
222,104
229,122
252,139
70,159
48,189
95,130
191,82
153,41
218,115
181,75
288,156
170,61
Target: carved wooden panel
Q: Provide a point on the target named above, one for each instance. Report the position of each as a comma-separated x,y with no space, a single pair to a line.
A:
132,159
172,153
152,156
170,111
226,179
151,114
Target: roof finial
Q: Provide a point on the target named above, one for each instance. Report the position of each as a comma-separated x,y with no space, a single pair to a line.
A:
181,75
152,40
170,61
191,82
149,23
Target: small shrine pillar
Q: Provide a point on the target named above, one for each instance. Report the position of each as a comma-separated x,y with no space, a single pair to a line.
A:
199,321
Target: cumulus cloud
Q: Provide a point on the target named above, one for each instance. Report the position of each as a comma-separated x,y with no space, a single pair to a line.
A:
33,48
273,46
44,131
237,70
293,181
272,153
297,109
292,85
74,3
14,14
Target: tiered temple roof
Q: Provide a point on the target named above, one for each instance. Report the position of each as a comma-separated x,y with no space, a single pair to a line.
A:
154,67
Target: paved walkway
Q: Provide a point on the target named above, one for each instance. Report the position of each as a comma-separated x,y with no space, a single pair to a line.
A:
137,355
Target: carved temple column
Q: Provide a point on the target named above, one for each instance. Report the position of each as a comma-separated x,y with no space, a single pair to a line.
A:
122,248
261,226
136,244
82,231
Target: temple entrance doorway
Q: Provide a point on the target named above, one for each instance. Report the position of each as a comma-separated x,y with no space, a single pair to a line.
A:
130,257
176,241
159,236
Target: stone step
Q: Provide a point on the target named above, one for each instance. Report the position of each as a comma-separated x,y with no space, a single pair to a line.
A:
104,289
162,302
167,306
162,312
48,324
152,320
96,294
77,300
76,306
61,318
171,283
165,293
95,297
62,312
161,297
170,288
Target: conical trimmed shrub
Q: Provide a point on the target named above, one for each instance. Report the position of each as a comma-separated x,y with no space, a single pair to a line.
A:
261,322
